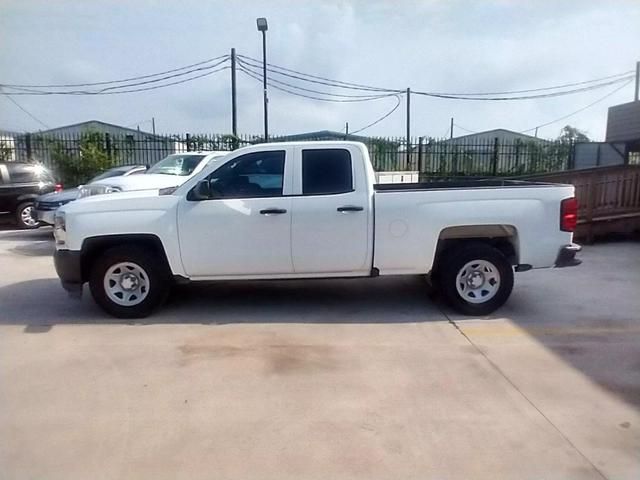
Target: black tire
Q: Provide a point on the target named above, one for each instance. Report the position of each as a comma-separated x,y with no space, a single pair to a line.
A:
19,216
158,281
451,264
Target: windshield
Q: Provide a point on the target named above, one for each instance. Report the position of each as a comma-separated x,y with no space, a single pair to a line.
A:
177,165
114,172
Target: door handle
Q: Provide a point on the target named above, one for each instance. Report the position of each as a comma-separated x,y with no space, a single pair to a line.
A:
350,208
273,211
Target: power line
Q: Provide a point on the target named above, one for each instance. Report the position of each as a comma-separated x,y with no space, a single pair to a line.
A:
627,73
465,129
69,85
321,80
312,97
279,82
143,89
527,97
477,96
381,118
580,109
24,109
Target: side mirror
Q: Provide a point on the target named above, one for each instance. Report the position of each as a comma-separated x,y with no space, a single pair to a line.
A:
201,191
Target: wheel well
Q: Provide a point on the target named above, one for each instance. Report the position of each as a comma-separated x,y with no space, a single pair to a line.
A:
501,237
92,248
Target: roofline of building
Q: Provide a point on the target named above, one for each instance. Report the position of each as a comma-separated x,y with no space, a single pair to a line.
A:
320,133
498,130
132,130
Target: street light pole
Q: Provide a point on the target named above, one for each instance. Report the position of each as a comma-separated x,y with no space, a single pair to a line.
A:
262,27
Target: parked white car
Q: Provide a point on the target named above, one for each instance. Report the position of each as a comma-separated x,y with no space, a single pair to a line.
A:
171,171
312,210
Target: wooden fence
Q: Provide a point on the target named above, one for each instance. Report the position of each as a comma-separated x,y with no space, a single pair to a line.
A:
608,198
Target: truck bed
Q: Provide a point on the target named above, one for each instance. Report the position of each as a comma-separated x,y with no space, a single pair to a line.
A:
458,184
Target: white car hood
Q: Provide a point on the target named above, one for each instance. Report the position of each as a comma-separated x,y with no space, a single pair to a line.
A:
144,181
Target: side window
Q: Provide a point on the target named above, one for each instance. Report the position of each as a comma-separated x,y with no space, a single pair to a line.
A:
258,174
326,172
21,173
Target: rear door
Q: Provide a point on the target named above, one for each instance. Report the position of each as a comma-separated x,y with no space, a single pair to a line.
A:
330,223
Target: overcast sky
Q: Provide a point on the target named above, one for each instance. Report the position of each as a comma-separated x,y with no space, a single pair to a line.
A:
460,46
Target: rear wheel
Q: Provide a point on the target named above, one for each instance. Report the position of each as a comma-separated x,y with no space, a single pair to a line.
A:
128,282
26,216
475,279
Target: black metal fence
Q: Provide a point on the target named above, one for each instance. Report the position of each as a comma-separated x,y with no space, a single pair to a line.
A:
76,156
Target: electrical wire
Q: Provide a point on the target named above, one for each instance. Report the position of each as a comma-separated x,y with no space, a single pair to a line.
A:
478,96
312,97
464,129
626,74
143,89
527,97
314,78
580,109
24,109
272,80
379,119
69,85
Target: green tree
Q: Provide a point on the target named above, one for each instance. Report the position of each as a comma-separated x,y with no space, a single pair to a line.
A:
5,152
570,134
84,158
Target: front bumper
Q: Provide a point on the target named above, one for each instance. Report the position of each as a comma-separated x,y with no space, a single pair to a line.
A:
68,268
567,256
45,216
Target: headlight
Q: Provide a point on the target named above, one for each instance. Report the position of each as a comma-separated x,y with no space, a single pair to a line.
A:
60,221
60,228
89,190
84,192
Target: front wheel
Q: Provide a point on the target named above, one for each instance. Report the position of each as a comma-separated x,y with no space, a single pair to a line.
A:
475,279
128,282
26,216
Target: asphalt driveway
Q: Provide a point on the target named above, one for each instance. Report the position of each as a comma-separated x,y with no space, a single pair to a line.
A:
322,379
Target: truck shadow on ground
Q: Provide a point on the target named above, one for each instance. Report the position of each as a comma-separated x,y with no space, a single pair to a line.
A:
43,302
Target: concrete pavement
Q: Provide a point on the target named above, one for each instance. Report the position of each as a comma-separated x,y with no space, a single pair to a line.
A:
322,379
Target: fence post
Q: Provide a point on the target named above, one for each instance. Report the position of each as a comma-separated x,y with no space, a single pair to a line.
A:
107,141
27,142
188,139
494,159
419,156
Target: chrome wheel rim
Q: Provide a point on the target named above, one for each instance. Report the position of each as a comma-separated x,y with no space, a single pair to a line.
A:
126,284
478,281
26,215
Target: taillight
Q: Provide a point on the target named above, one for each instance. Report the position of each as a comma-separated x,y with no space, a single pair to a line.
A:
568,214
59,187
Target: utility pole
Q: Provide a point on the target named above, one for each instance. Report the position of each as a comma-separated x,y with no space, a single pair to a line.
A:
346,129
536,134
262,28
637,81
234,113
408,122
153,125
451,129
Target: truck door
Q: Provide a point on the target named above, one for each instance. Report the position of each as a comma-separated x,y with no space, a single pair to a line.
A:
331,214
245,227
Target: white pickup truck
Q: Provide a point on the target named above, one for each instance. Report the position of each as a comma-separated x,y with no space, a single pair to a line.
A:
311,210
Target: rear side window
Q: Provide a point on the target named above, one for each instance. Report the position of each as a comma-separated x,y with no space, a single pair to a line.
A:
20,173
326,172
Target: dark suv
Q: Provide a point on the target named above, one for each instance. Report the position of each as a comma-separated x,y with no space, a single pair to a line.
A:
20,184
